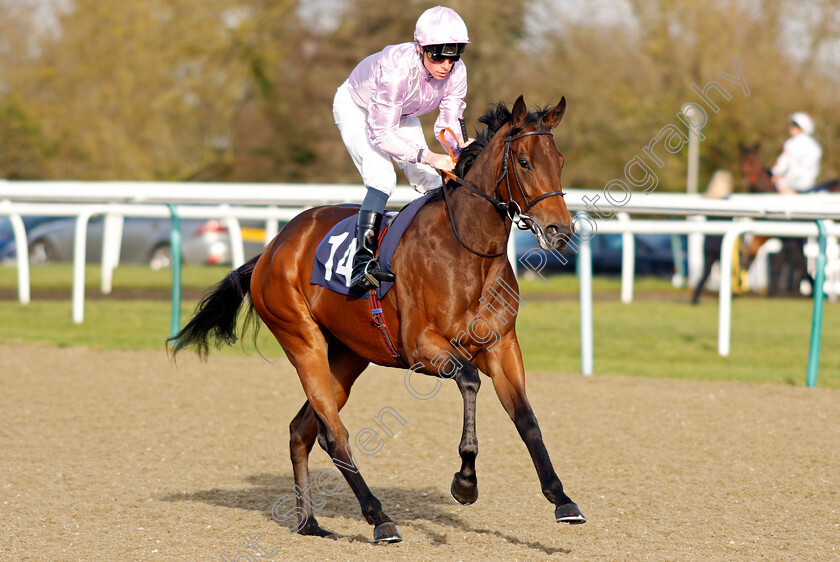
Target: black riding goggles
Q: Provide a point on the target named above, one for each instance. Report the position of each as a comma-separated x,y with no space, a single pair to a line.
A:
439,53
437,59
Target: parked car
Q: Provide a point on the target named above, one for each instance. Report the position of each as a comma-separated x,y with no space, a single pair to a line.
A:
7,235
654,254
144,240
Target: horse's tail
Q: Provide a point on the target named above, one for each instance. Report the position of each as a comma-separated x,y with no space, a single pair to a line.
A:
215,317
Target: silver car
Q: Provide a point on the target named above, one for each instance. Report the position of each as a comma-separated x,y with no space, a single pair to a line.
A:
144,240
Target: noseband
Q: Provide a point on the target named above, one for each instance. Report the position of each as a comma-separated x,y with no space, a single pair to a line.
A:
508,209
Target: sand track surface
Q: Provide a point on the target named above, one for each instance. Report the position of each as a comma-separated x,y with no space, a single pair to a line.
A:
124,455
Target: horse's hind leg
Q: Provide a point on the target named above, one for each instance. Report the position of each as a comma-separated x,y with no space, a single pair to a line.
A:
304,431
306,348
334,438
345,367
464,487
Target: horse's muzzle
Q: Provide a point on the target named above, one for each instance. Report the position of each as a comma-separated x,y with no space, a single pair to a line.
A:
558,236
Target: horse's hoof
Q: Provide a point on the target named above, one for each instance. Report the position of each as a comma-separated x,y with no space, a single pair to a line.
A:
386,532
463,491
317,531
569,513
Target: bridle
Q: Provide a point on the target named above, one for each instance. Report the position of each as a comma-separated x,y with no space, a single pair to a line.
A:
509,209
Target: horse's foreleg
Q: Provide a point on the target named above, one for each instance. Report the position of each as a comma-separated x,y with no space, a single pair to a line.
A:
464,487
504,365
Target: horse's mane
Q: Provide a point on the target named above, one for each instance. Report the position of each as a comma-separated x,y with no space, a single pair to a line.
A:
496,116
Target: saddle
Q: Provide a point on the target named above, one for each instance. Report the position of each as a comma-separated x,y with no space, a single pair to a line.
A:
333,264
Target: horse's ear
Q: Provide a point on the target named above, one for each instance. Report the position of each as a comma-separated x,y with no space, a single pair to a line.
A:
519,113
554,115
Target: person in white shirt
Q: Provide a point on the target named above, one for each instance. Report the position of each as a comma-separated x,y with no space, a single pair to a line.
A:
798,166
795,172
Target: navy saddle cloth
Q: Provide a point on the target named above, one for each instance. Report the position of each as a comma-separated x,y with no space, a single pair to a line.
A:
334,257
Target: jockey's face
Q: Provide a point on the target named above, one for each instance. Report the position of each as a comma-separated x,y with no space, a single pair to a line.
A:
438,70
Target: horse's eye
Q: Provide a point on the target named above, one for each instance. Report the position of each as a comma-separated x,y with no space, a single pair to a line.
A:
524,163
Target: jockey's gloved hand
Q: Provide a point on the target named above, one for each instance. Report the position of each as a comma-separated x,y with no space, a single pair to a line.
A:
440,161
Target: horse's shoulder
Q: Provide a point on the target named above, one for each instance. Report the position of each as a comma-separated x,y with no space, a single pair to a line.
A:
428,217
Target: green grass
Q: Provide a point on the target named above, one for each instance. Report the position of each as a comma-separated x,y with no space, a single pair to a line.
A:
109,322
60,277
659,335
657,338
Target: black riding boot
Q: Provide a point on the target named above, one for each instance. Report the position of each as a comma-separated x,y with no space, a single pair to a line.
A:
366,273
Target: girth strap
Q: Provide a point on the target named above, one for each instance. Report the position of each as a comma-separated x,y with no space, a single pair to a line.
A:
378,317
380,324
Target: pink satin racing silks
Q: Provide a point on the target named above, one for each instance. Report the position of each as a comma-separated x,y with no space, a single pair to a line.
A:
393,84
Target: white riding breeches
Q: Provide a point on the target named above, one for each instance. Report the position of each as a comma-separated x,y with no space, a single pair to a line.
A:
374,165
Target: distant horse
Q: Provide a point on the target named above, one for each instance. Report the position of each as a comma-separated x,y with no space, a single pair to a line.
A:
447,264
757,178
720,186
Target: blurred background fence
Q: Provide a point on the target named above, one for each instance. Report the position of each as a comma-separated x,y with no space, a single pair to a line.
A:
234,93
273,204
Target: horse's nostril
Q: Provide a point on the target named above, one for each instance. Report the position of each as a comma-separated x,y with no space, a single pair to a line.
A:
559,235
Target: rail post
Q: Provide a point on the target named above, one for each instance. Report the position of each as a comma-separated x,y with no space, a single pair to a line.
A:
819,293
175,244
584,270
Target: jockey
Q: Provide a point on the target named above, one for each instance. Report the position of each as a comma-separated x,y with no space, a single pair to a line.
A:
376,111
795,171
797,167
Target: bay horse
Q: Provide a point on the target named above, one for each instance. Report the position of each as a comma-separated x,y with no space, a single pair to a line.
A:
757,178
446,264
720,187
